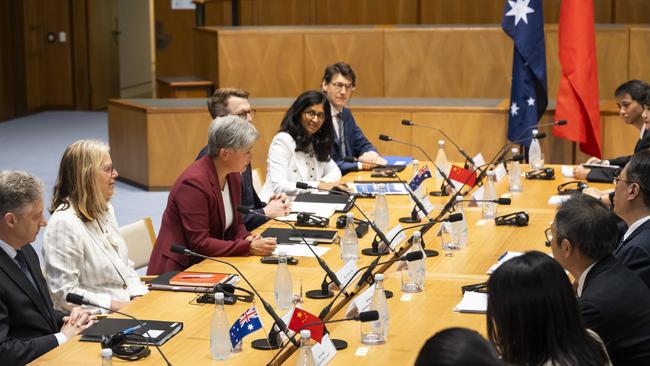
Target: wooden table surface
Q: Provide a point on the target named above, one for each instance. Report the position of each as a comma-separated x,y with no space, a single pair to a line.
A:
412,322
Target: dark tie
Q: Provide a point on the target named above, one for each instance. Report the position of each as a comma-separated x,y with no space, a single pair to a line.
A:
339,119
22,263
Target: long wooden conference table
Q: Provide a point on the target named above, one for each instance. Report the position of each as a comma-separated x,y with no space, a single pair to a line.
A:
412,320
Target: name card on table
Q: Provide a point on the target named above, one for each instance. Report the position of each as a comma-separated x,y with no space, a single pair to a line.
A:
324,351
346,272
361,302
500,172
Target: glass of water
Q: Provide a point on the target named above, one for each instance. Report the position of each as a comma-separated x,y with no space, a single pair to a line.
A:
448,241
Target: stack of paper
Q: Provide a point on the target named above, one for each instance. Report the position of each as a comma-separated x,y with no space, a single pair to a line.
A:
472,302
502,259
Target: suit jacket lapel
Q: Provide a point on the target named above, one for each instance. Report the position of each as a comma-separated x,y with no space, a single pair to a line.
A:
216,191
18,277
35,269
645,226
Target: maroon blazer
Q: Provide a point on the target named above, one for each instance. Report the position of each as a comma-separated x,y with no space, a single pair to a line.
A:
194,218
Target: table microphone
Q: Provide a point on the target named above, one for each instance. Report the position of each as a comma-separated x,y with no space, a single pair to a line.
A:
270,343
499,201
406,122
364,316
380,234
324,292
80,300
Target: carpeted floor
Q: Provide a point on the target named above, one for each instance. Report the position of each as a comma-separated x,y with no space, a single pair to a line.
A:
35,144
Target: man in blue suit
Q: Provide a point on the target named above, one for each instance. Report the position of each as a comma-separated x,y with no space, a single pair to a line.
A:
339,84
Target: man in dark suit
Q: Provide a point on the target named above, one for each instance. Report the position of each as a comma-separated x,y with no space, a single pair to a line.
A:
232,101
29,325
614,302
630,99
632,204
339,81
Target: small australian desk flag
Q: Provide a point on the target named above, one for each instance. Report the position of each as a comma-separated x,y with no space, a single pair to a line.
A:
246,324
523,21
422,174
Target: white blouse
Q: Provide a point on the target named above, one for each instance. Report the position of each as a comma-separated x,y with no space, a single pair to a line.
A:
89,259
286,166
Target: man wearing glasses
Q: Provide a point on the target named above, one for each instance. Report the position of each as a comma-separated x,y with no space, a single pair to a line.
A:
614,302
632,204
339,84
233,101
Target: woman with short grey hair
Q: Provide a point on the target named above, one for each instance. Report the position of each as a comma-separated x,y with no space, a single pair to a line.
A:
201,209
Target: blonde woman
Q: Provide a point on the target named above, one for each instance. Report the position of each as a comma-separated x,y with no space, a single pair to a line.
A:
83,250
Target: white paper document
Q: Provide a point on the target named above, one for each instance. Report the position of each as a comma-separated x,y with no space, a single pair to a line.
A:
502,259
472,302
300,250
318,209
567,171
557,199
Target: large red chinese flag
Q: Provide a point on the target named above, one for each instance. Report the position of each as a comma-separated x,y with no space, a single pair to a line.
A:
577,99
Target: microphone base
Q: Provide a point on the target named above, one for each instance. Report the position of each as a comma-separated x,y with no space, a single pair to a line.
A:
409,220
388,294
431,253
339,344
439,194
319,294
263,344
373,253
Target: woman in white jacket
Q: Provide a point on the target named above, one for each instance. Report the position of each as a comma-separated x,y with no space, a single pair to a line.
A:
300,152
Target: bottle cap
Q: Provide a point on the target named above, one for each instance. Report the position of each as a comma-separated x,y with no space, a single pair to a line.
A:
305,334
417,234
490,173
441,142
415,161
535,131
350,215
282,253
459,198
218,295
107,352
379,277
515,150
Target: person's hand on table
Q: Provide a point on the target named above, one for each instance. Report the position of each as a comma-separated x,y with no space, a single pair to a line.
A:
262,246
580,172
78,320
593,160
278,205
328,186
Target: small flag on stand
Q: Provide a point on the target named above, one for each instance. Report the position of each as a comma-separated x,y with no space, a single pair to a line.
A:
246,324
420,177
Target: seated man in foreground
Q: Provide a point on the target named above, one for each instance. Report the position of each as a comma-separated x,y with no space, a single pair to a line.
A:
29,325
614,302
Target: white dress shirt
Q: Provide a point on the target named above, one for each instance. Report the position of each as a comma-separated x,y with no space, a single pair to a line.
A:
227,206
583,277
285,166
89,259
635,226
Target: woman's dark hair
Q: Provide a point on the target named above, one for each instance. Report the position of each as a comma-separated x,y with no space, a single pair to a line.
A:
533,316
457,346
321,141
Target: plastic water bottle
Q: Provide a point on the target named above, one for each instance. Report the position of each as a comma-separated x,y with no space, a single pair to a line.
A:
305,357
535,153
376,332
514,174
421,191
459,228
283,285
219,332
350,242
441,161
489,209
414,272
107,357
381,208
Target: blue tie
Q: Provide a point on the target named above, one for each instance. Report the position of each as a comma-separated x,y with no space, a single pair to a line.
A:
22,263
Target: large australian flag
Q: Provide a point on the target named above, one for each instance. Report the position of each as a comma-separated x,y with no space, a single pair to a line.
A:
523,21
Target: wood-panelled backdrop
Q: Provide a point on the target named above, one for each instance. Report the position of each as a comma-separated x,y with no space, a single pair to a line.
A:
400,62
175,56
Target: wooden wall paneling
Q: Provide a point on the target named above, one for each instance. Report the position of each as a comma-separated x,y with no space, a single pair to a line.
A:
632,11
405,53
56,66
267,64
206,55
384,120
477,131
174,45
363,49
267,121
612,47
127,136
79,39
366,12
8,54
103,52
186,132
556,150
484,76
640,53
619,138
32,30
602,11
220,13
276,12
460,11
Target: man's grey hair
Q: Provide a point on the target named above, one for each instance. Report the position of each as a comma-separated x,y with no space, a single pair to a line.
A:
231,132
17,189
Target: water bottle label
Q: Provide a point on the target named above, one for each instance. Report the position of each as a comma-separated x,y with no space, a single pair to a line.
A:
346,272
324,351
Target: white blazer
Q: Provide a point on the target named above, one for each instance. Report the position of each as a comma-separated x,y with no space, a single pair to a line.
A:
285,166
89,259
